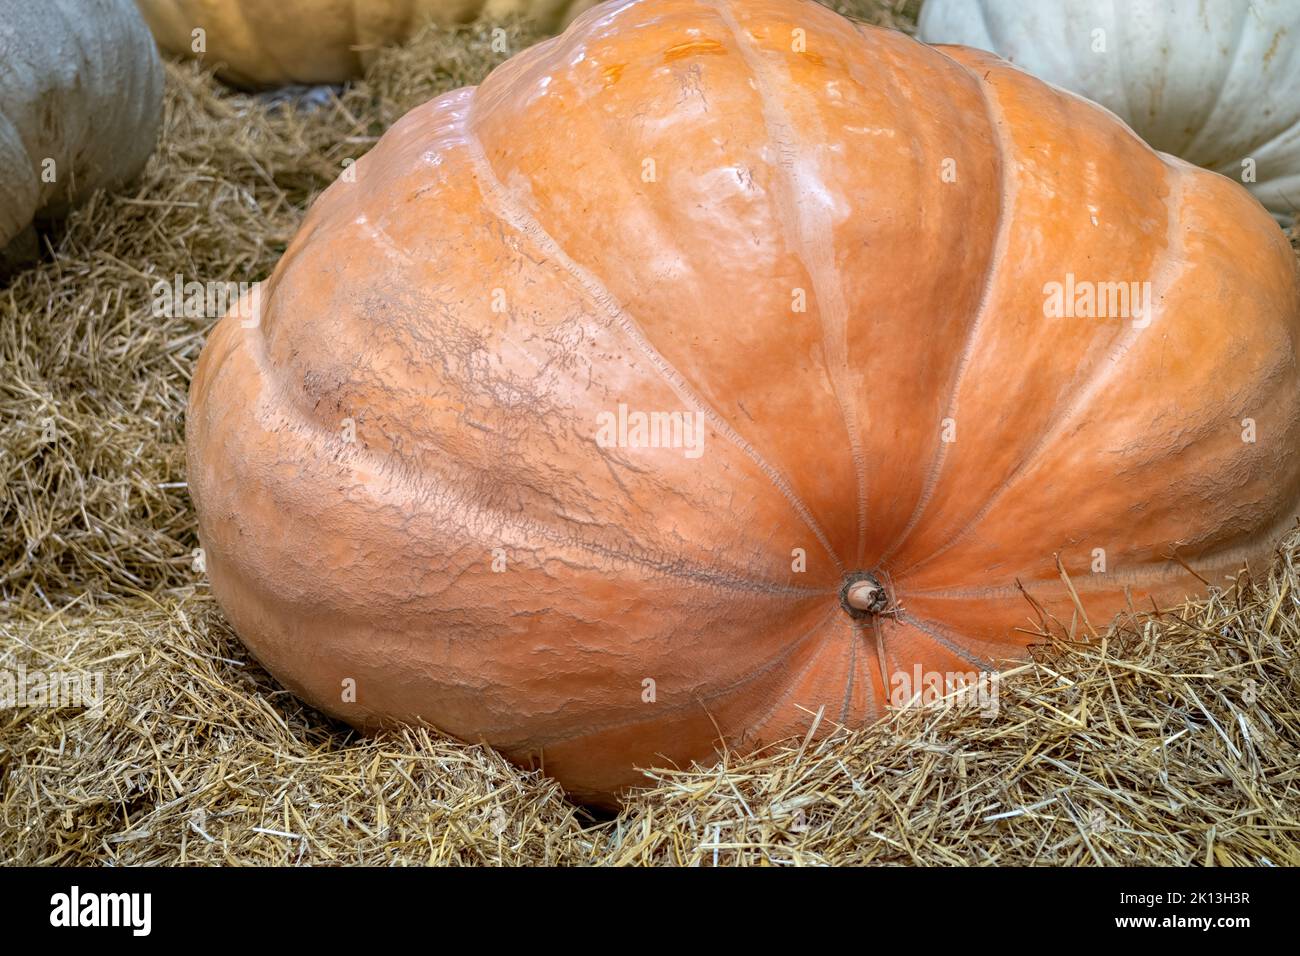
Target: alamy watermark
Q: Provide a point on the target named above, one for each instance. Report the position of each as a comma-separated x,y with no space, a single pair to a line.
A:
206,300
1085,299
977,690
23,688
636,429
76,908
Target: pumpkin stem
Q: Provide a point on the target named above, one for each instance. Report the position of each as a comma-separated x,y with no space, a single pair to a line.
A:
862,595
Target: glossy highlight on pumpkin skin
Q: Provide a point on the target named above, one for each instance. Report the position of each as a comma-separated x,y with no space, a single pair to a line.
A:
725,580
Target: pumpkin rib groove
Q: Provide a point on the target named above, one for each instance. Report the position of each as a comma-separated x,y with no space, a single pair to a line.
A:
81,89
1093,584
795,678
984,21
1123,78
993,111
860,633
858,660
814,252
1214,88
882,653
1284,183
501,203
943,641
851,671
244,29
876,706
285,397
590,730
261,50
1102,370
353,50
1229,553
1190,148
1276,141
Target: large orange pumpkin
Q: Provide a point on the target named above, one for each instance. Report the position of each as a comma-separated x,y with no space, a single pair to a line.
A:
424,489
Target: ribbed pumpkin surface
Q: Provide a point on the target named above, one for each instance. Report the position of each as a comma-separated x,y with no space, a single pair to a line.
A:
398,469
1216,82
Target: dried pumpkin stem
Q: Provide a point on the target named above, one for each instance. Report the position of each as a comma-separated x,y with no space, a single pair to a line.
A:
862,595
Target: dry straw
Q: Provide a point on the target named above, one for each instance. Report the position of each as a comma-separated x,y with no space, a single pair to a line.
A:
1171,739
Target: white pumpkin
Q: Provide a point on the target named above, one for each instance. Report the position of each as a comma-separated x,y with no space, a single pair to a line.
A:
80,103
1216,82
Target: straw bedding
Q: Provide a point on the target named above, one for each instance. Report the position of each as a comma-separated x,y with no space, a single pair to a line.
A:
1167,738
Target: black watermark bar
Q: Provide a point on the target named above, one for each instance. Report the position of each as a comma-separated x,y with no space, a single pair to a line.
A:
142,906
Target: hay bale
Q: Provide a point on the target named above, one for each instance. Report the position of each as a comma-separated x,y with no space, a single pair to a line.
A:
196,756
1172,740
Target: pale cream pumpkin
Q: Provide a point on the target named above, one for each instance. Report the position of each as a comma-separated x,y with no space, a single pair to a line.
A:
80,103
